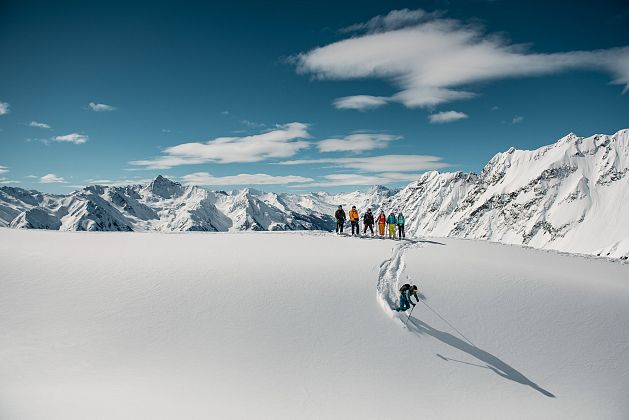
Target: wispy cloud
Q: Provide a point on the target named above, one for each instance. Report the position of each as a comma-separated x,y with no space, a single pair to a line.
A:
384,163
517,119
38,124
446,117
117,182
339,180
75,138
204,178
360,102
282,142
357,142
395,19
252,124
51,179
3,180
101,107
6,181
433,60
4,108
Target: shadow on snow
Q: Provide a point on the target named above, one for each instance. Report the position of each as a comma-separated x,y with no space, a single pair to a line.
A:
491,362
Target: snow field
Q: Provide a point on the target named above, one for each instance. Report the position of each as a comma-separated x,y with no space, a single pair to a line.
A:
291,325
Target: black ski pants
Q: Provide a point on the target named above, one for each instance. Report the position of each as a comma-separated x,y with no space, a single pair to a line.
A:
400,231
370,226
339,226
355,225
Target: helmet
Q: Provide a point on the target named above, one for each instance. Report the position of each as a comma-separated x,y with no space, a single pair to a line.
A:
340,207
353,207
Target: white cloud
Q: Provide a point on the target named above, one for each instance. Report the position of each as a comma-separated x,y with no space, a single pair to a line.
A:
101,107
75,138
495,108
6,181
360,102
3,180
431,62
282,142
357,142
39,124
517,119
204,178
117,182
51,179
338,180
395,19
384,163
446,117
252,124
4,108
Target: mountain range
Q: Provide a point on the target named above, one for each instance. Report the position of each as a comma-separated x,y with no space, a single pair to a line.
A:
571,196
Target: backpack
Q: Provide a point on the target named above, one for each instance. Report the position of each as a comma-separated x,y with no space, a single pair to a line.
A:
405,287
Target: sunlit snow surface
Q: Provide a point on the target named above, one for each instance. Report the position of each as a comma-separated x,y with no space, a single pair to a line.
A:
298,325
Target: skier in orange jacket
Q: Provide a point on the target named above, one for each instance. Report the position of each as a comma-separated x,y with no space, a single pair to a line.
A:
354,219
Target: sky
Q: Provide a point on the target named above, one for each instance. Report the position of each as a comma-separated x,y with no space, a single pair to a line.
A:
298,96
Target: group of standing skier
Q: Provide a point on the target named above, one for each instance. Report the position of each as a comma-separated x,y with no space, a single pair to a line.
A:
394,222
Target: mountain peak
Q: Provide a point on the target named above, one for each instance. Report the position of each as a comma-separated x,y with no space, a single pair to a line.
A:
164,187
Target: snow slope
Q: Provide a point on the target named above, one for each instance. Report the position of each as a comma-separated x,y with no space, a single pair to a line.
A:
297,325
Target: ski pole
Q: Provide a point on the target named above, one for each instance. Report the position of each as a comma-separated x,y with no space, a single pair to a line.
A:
409,316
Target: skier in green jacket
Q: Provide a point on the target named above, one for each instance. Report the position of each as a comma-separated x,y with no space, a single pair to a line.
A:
400,226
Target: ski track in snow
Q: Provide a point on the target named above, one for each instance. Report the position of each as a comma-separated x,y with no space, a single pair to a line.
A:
390,274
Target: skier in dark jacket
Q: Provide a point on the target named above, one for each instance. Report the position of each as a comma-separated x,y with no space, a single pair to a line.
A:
368,221
406,292
340,219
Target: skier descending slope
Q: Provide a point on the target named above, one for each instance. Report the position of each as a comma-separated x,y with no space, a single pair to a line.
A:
354,219
340,219
392,221
382,219
406,293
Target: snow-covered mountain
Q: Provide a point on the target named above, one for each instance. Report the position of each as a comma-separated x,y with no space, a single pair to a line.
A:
164,205
570,196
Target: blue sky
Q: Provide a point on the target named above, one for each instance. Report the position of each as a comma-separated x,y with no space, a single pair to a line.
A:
298,96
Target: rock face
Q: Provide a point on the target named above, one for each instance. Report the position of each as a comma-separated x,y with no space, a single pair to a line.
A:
571,196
